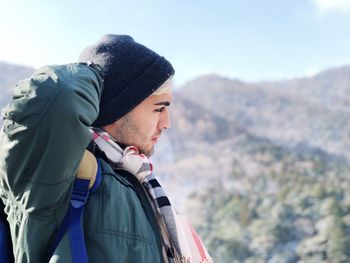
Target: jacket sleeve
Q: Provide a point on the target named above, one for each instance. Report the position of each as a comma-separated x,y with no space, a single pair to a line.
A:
46,130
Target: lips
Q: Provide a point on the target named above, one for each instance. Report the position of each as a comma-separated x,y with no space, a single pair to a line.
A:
156,138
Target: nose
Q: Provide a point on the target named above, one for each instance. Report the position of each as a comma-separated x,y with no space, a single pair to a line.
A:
164,120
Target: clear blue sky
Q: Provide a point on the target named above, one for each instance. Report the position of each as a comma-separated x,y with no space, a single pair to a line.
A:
250,40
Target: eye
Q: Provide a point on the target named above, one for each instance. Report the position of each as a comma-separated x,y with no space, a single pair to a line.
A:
160,109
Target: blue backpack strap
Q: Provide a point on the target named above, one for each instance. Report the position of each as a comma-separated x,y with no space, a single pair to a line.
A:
6,251
72,219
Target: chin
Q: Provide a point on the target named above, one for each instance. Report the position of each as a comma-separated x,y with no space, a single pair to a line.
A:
147,152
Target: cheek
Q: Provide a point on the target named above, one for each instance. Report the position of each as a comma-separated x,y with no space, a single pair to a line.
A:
151,126
147,123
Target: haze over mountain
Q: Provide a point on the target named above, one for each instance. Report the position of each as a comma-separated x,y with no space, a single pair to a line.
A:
214,116
262,168
310,111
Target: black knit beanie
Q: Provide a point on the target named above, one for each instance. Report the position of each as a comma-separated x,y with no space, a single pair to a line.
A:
132,73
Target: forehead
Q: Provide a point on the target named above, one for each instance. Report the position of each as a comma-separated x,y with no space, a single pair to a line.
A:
153,100
166,87
165,97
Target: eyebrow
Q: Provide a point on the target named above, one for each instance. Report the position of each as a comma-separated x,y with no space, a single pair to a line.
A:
164,103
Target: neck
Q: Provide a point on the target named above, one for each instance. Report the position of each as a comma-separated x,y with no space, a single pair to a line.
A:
122,145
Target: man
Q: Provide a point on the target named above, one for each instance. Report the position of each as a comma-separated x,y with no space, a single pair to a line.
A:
114,103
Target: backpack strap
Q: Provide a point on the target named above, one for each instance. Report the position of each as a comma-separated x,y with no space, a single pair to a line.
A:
72,220
6,254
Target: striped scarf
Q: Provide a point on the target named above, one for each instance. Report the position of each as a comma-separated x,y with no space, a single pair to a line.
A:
181,242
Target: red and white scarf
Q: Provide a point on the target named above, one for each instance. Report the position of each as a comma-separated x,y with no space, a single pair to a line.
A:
181,242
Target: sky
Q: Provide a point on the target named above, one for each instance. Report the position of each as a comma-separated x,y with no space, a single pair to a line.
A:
250,40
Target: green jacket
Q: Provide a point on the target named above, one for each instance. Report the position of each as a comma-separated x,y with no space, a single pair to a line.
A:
46,130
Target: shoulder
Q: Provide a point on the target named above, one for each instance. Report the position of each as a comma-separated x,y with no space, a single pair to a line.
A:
115,188
108,174
116,193
121,211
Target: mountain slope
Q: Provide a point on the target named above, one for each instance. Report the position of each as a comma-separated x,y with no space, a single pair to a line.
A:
277,111
10,74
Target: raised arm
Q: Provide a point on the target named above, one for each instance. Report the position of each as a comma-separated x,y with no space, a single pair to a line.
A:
46,132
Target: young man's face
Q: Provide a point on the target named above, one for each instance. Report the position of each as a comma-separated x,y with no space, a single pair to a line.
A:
143,126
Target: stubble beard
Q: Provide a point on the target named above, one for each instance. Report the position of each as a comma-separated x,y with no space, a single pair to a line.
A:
129,134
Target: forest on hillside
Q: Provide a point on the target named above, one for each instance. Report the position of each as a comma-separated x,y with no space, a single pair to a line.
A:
296,208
